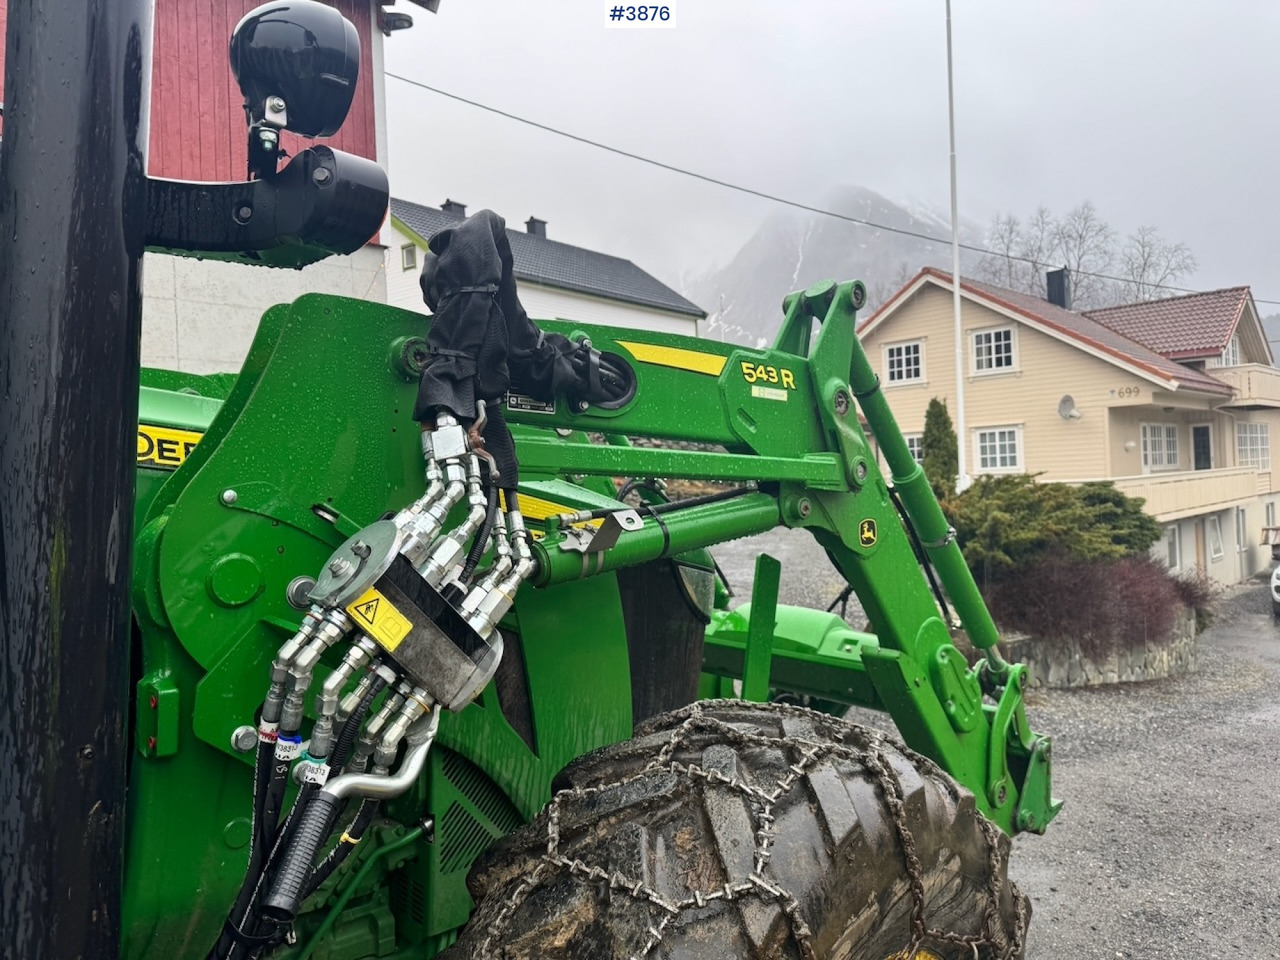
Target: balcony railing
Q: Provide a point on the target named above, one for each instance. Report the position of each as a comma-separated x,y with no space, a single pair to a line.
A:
1254,383
1171,496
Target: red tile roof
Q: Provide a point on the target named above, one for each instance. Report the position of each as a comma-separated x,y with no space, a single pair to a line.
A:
1076,326
1195,325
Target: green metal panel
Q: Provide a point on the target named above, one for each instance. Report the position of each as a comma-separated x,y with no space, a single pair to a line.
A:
320,416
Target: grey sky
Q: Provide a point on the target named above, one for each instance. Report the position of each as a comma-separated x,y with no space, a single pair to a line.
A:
1158,112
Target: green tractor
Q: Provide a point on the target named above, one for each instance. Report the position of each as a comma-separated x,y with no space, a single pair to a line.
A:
412,679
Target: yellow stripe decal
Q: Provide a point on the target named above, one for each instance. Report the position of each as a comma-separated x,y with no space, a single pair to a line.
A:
681,359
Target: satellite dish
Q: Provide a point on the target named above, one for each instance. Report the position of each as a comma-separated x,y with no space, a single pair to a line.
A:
1067,408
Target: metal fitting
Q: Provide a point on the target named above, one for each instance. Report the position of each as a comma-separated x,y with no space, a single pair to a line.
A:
244,739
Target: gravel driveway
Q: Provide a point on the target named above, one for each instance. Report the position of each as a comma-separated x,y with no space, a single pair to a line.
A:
1169,844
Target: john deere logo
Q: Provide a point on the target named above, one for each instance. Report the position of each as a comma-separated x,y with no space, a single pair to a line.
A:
867,533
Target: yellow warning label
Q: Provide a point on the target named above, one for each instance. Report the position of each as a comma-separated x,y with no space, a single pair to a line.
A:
165,447
375,615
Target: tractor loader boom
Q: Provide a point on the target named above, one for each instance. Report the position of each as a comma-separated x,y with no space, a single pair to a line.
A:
313,442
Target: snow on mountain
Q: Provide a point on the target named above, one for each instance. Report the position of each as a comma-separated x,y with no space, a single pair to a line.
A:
794,249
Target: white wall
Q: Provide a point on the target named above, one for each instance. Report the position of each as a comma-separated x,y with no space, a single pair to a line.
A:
200,315
1242,556
540,302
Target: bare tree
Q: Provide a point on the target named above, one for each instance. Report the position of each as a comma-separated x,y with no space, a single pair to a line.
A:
1143,267
1149,263
1039,250
1004,240
1085,244
882,288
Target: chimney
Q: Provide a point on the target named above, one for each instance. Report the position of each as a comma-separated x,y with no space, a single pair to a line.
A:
454,207
1058,283
536,227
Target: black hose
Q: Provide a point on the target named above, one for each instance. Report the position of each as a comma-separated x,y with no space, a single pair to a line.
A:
481,542
341,751
261,838
920,553
670,506
350,837
284,837
284,899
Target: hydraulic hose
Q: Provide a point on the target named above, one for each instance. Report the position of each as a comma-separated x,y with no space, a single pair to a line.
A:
343,849
261,839
288,887
481,541
351,728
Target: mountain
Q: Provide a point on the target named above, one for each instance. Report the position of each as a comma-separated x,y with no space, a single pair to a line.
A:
794,249
1271,325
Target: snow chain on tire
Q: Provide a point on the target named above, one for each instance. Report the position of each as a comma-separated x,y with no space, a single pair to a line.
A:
753,831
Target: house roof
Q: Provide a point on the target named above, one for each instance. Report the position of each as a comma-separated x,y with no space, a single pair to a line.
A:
1195,325
1067,325
555,264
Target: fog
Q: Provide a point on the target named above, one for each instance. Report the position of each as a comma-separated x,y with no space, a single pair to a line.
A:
1158,112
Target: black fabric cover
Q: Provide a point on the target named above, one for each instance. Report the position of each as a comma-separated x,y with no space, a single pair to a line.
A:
481,340
482,343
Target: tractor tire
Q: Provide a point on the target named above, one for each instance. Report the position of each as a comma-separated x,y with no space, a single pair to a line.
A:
751,831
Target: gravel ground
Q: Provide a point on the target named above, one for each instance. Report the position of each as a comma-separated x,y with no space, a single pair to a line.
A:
1169,843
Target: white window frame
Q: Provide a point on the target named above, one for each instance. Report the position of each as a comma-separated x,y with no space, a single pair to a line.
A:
889,379
1213,531
993,371
1253,445
1019,450
409,256
1270,514
1173,546
1159,444
1231,354
915,443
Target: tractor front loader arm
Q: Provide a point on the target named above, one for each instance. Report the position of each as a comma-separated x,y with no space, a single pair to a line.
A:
315,442
787,418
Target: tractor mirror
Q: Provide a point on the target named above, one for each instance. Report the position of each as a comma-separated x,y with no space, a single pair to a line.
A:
296,62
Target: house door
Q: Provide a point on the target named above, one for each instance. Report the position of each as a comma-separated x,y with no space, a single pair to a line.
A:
1242,545
1201,447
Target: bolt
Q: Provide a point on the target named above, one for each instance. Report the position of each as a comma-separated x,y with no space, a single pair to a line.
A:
275,104
297,592
229,497
361,549
842,403
860,471
320,176
1001,795
243,739
244,213
804,507
339,567
583,406
268,139
86,752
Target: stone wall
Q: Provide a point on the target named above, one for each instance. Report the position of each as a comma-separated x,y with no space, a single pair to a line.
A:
1061,663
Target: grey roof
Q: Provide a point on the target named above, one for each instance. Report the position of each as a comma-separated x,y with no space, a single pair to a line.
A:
556,264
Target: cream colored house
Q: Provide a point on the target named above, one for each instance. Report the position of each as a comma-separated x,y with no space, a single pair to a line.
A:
1175,400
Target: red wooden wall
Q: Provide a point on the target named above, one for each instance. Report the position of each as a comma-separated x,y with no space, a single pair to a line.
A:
198,130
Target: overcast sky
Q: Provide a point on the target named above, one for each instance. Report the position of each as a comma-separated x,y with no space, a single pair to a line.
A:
1160,112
